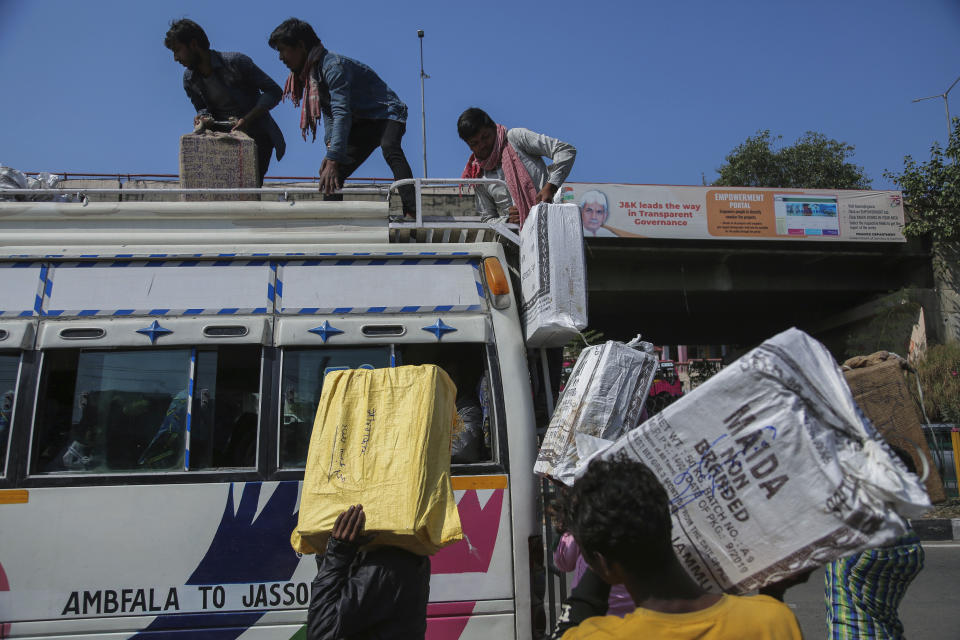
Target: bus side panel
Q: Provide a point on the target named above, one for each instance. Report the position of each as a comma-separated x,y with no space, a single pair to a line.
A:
478,627
522,446
105,559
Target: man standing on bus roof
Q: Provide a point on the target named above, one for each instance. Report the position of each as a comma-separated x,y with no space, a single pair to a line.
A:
381,593
224,85
516,157
360,112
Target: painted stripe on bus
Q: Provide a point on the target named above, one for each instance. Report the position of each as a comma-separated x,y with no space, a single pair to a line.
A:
14,496
462,483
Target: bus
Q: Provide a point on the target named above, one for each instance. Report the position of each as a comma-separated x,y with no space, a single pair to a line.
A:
160,368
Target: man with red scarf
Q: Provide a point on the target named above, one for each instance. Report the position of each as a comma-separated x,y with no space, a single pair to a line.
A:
360,112
516,157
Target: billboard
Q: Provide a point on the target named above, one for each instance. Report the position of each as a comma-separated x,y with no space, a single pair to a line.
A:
741,213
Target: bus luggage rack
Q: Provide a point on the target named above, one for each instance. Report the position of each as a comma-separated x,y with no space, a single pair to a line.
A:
424,228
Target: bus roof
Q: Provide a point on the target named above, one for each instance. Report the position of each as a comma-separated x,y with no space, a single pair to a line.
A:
104,222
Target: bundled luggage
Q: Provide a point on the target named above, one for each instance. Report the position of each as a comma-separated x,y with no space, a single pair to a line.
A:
603,398
382,439
218,160
553,275
771,469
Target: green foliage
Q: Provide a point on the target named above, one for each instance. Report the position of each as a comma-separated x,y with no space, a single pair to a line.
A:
939,374
888,329
571,350
813,162
931,191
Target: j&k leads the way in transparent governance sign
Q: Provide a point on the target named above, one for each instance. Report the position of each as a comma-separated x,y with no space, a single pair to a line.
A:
698,213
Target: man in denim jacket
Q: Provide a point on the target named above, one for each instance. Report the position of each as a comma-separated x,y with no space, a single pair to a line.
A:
360,112
227,85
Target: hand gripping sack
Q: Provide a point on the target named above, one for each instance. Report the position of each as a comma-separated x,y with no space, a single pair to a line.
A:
382,439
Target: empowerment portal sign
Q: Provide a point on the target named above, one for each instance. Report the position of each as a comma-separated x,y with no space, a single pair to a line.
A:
695,213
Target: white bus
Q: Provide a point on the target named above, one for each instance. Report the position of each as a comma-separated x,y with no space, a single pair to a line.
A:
160,367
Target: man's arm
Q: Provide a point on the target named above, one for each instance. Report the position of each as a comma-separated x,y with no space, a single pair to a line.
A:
196,100
341,604
588,599
561,155
486,207
270,91
337,76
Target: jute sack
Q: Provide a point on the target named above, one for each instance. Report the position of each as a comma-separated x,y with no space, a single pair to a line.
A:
218,160
381,438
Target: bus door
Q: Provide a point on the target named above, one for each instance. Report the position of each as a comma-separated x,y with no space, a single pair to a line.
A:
385,316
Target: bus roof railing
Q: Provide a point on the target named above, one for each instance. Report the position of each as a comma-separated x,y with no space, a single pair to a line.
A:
423,228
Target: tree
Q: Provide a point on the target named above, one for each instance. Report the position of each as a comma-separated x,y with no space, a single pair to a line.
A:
931,191
813,162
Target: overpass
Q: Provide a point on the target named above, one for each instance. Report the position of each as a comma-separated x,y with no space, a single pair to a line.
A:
717,291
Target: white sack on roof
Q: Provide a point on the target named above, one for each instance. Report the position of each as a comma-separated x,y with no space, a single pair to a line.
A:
13,179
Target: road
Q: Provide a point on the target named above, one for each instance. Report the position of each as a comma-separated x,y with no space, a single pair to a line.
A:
930,611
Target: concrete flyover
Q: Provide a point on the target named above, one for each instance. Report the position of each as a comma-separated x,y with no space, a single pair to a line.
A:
741,292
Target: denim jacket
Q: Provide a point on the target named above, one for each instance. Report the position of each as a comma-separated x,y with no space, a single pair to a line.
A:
351,90
248,86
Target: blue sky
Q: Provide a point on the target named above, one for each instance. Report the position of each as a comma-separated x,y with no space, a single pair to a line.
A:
648,92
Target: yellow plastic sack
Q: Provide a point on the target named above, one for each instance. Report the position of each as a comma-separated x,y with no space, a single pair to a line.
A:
382,439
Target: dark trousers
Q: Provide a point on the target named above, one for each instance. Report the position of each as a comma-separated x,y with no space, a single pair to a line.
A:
367,135
264,151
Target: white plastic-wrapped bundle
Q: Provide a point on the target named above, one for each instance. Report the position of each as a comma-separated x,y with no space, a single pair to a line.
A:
13,179
771,469
553,275
602,399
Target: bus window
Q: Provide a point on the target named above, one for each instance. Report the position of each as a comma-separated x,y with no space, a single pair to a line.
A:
226,408
465,363
301,384
9,363
126,411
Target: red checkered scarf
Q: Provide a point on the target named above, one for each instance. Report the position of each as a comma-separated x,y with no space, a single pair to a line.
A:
519,183
306,87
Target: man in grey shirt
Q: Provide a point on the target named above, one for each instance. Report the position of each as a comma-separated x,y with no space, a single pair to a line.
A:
515,156
227,85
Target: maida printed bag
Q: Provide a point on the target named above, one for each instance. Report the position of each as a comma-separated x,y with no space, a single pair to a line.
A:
772,469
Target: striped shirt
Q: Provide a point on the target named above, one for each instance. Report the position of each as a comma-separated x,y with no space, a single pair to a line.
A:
864,590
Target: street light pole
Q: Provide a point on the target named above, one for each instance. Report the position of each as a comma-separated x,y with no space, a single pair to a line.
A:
946,105
423,107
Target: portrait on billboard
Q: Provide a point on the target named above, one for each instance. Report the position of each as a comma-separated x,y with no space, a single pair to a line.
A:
594,212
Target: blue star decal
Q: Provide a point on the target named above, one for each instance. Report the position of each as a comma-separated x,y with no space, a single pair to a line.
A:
325,331
154,331
439,329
